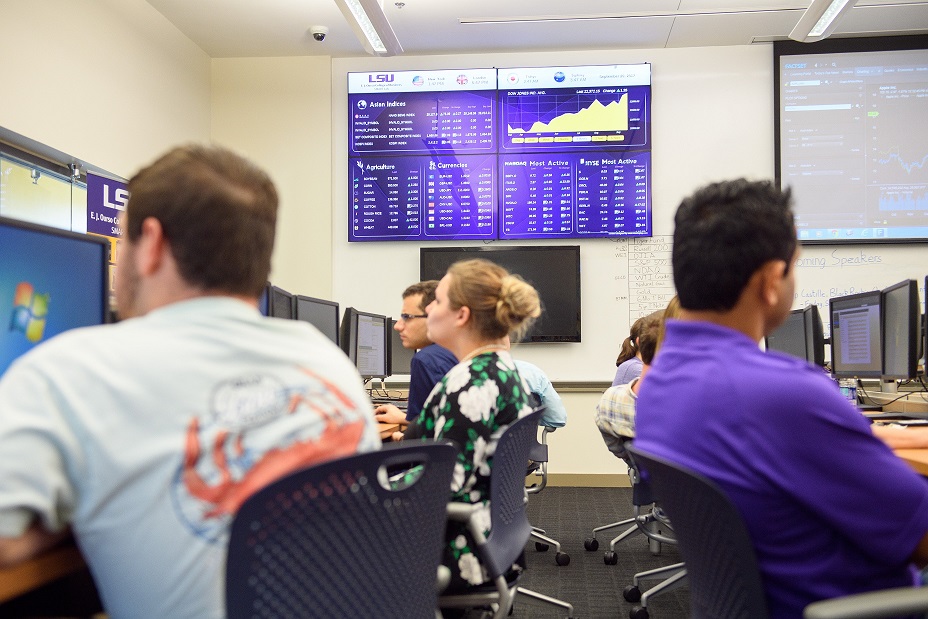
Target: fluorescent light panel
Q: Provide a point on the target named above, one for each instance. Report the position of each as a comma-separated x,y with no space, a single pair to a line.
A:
370,25
820,20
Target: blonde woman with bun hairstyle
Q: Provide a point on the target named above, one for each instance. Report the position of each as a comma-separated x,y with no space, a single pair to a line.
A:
477,306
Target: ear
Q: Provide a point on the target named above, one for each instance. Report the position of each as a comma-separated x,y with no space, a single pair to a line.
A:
150,247
770,278
462,316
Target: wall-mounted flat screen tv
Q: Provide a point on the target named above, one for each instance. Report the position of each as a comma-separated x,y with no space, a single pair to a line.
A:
516,153
851,138
554,271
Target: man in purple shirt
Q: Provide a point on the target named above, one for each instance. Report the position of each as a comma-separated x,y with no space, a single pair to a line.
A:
830,509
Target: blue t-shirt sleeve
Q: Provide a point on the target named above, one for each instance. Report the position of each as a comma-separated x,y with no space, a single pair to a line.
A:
426,370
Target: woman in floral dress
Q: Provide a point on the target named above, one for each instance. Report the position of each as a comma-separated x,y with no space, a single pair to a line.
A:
477,305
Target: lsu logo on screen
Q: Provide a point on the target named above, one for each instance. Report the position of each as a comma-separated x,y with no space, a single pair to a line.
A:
30,311
380,78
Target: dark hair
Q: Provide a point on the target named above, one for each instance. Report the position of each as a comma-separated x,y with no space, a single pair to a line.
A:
648,339
218,212
629,347
723,233
426,289
500,303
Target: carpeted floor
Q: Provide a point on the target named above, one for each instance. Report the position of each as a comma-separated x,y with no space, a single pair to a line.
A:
594,588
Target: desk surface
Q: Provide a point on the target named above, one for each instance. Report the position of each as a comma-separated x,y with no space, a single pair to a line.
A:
916,458
387,430
41,570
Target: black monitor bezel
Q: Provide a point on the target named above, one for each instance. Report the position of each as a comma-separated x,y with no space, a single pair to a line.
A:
302,297
914,311
813,334
874,295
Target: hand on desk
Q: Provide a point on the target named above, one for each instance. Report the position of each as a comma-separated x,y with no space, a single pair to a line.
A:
387,413
898,437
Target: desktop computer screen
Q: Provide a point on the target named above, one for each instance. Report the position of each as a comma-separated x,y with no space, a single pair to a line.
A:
400,357
51,280
901,318
800,335
365,340
856,335
281,303
320,313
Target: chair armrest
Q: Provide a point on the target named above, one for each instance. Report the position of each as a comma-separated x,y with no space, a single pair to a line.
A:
875,604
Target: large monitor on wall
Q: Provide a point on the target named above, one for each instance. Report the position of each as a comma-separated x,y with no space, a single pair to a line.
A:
50,281
516,153
901,313
800,335
320,313
553,270
856,335
364,339
851,140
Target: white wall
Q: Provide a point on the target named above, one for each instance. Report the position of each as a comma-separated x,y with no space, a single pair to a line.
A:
110,82
278,112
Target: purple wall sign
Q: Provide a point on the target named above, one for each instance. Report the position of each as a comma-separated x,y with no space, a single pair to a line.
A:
106,199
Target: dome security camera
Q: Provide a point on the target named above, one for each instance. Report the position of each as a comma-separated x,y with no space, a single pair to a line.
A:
319,33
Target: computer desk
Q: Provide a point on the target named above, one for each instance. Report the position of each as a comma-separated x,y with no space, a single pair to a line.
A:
916,458
47,567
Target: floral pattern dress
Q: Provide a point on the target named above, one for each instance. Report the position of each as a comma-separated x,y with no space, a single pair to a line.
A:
472,405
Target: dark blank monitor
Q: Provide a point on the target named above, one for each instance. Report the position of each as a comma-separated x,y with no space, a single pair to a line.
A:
50,281
365,340
856,335
281,303
320,313
901,317
400,356
554,271
801,335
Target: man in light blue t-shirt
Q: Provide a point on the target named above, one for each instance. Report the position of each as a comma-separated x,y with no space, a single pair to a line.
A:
143,438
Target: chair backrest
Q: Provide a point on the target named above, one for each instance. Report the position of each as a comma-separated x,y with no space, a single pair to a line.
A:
714,541
642,494
337,540
509,526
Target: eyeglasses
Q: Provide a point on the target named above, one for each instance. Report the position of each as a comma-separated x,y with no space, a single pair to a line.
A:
407,317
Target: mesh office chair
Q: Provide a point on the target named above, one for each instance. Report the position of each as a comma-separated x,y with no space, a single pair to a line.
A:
721,567
510,529
651,522
539,457
332,540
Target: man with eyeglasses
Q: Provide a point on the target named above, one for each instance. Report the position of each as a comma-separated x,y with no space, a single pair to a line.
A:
430,362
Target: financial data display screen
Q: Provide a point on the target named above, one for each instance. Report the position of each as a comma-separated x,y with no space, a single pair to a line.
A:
517,153
853,142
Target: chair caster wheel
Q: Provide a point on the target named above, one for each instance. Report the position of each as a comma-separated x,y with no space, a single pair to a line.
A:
610,558
591,543
562,558
541,547
638,613
632,594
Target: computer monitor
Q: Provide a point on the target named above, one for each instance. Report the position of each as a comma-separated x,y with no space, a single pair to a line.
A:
264,301
856,335
400,356
320,313
51,280
364,339
801,335
281,303
901,317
